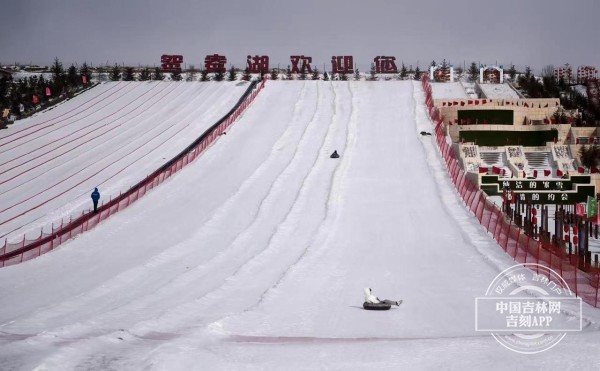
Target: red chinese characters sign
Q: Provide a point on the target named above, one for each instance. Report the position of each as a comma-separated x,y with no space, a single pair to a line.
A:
342,64
171,63
385,65
306,61
258,64
215,63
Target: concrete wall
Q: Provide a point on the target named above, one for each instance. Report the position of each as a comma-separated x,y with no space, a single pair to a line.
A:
524,109
563,130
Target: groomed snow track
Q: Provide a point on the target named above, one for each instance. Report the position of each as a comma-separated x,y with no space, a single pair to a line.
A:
256,255
138,139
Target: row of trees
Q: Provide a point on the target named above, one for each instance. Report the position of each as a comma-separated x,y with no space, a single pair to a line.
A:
130,74
37,90
23,95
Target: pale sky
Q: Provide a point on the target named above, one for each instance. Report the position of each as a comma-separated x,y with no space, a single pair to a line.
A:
133,32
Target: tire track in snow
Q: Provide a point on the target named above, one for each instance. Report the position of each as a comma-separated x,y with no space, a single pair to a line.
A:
333,202
188,278
168,257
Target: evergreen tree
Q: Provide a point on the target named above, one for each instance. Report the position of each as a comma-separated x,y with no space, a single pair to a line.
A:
403,73
315,74
356,75
73,79
528,74
433,63
191,74
58,77
247,76
373,72
85,71
325,76
144,74
57,70
231,76
288,73
303,73
115,73
42,84
204,75
3,92
128,76
473,72
589,156
417,73
219,75
274,74
176,76
512,72
158,74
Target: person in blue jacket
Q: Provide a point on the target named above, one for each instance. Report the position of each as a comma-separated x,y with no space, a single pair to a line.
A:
95,198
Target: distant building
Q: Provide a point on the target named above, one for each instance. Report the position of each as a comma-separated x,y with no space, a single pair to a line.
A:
563,73
586,72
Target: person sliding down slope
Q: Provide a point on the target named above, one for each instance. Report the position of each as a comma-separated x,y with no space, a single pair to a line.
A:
372,299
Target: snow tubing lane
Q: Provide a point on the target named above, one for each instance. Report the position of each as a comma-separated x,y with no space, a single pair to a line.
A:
378,306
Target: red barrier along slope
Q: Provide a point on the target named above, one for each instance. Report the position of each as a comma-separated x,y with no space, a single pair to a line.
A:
521,247
28,249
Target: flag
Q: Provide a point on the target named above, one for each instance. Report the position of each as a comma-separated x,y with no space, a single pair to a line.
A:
84,79
48,93
35,99
592,206
580,209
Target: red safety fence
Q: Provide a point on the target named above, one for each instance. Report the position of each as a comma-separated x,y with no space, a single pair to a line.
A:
13,253
522,248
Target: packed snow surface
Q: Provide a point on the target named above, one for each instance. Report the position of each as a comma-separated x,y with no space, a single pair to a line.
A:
110,137
498,91
448,90
255,256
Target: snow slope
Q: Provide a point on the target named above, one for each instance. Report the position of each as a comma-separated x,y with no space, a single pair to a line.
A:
110,137
255,255
448,90
498,91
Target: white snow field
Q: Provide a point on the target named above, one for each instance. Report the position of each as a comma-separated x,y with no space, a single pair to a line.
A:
255,256
110,137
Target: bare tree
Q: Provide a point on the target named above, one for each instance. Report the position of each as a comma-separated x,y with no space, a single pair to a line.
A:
548,71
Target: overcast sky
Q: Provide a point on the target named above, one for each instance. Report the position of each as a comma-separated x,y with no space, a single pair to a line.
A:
133,32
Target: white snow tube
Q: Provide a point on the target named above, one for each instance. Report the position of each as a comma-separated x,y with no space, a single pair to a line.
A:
376,306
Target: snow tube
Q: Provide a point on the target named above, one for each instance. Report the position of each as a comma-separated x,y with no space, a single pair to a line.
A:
378,306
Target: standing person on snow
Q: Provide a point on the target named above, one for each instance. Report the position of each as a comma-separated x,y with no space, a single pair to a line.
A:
95,198
372,299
